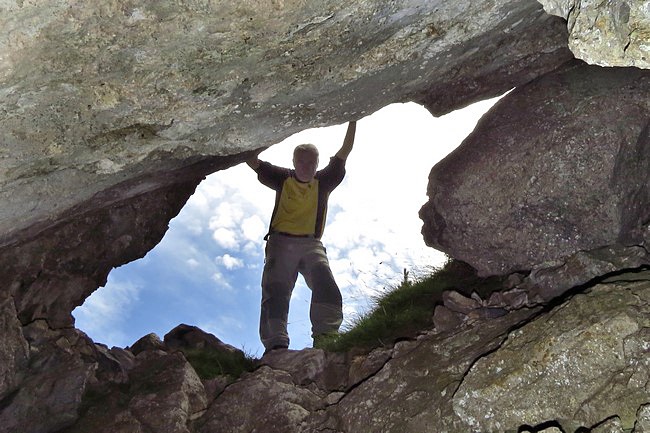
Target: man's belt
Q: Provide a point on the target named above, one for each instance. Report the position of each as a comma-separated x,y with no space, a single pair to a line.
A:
291,235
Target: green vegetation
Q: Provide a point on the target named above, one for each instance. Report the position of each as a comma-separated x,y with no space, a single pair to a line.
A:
210,363
398,313
402,312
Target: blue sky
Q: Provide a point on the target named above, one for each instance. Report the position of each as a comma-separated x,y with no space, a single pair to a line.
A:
207,269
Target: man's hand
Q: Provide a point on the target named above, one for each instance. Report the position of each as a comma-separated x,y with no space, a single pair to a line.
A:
254,161
348,142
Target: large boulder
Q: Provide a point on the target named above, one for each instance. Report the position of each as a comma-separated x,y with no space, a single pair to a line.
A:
46,393
557,167
14,349
97,94
163,394
269,401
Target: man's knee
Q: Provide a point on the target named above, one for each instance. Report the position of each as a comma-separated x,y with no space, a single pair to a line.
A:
276,297
323,286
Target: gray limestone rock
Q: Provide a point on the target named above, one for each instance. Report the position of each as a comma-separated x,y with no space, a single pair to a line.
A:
113,365
94,94
642,424
606,33
413,391
363,366
547,281
267,400
570,367
611,425
191,337
46,401
164,394
47,393
327,371
148,342
445,319
14,349
582,361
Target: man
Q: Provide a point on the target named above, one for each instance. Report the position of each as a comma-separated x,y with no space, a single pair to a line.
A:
293,243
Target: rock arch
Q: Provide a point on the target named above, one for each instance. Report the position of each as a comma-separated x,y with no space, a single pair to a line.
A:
112,112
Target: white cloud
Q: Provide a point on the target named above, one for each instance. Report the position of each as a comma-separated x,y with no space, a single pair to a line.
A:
226,238
211,191
198,203
193,226
221,281
228,214
230,262
253,228
253,248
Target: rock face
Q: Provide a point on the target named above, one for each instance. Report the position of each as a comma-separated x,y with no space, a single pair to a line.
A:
44,393
606,33
570,146
51,271
490,375
93,95
112,112
594,345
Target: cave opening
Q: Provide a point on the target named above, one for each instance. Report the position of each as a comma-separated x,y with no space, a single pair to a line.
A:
206,270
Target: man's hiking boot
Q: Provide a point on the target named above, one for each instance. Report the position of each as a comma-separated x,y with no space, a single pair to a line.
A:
274,348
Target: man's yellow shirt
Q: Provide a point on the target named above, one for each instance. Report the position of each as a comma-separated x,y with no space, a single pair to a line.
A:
296,212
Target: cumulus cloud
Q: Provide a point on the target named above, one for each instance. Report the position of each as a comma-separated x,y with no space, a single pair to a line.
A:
226,238
227,214
221,280
192,263
230,262
253,228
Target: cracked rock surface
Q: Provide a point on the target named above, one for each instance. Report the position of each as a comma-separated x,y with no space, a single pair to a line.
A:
578,365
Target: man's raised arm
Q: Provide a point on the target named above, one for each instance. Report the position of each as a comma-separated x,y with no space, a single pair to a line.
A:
345,150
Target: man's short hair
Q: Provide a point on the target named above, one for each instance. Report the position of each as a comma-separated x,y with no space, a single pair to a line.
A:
308,147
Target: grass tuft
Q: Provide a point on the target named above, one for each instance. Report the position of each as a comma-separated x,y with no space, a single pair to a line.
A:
406,310
210,363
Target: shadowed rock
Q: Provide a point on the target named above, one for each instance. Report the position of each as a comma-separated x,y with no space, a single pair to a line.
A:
557,167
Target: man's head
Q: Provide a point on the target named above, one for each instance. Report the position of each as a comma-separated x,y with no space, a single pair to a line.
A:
305,161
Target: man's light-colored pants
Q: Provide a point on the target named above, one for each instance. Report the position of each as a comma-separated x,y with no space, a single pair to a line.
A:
285,258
